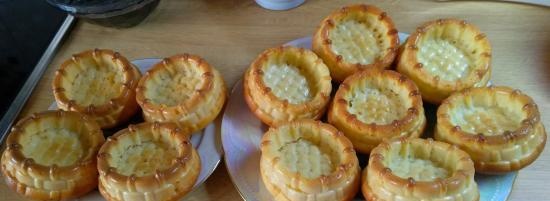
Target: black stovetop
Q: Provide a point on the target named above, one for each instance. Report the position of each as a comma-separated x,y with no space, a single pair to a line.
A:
26,29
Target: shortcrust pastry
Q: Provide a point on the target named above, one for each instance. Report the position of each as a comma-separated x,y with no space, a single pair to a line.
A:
373,105
147,161
445,56
285,84
99,83
356,37
183,89
52,155
418,169
498,126
308,160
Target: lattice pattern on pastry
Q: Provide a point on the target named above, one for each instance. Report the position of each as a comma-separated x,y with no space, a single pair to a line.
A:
487,121
94,80
287,82
142,155
415,161
418,169
53,146
173,85
442,58
306,158
371,104
356,42
301,150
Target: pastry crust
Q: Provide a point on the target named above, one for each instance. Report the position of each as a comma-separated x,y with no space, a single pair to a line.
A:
373,105
99,83
130,167
445,56
418,169
308,160
52,156
183,89
356,37
498,126
285,84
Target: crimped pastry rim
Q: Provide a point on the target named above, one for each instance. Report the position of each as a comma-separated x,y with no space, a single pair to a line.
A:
321,41
367,190
104,193
41,194
193,101
408,61
527,126
28,164
426,187
179,137
253,78
129,79
339,105
348,157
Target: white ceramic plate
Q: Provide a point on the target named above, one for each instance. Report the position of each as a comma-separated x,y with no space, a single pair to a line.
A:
242,131
207,142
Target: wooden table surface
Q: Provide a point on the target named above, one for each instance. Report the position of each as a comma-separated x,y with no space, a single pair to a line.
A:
230,33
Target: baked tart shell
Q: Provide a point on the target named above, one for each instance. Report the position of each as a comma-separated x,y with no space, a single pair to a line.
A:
384,30
129,182
380,183
433,87
341,182
366,136
110,113
273,110
504,150
205,98
50,176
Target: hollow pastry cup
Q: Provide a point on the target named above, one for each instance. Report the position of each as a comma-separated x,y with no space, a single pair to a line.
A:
52,156
445,56
373,105
407,169
308,160
356,37
147,161
284,84
183,89
498,126
99,83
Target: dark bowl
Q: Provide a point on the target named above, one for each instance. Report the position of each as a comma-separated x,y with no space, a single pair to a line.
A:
111,13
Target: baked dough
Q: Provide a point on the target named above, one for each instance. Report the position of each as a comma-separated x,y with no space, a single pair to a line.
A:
308,160
98,83
287,83
445,56
373,105
499,127
147,161
356,37
52,156
418,169
183,89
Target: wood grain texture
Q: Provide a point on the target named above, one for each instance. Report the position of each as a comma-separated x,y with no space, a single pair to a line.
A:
229,34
